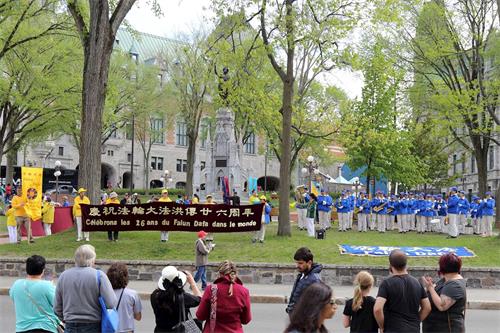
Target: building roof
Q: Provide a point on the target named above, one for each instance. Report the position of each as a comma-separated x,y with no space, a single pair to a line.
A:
147,47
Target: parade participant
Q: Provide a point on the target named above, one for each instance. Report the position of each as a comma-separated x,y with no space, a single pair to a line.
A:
196,199
463,211
311,214
202,249
11,224
412,211
342,206
325,203
48,212
453,200
22,218
210,200
401,212
185,200
391,213
374,203
309,273
380,210
428,212
350,215
66,202
487,211
419,205
301,207
77,213
126,200
113,200
164,198
364,212
179,200
266,219
254,198
475,214
441,208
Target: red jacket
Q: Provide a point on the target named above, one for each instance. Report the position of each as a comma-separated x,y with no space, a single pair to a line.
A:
232,311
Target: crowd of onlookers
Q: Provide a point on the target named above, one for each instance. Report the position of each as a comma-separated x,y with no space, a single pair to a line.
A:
78,302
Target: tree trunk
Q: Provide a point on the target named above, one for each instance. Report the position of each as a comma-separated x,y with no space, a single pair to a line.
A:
191,158
11,162
368,179
482,170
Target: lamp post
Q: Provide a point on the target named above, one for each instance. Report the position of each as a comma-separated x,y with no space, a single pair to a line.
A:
310,169
355,186
57,173
165,178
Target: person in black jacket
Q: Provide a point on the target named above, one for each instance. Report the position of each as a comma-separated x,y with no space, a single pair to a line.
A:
309,273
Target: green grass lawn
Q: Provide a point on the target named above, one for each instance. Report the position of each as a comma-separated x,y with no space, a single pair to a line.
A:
238,247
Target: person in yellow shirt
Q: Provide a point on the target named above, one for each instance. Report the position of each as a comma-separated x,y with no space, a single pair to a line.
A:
254,198
196,199
19,203
113,200
11,224
164,198
77,213
48,212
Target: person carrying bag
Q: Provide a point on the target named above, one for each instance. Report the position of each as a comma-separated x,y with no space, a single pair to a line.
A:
110,319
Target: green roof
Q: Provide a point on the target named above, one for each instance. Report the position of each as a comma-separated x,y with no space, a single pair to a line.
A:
146,46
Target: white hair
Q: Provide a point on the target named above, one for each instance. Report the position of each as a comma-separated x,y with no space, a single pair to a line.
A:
85,256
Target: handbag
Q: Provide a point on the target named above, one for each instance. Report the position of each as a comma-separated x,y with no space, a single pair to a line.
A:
213,307
185,325
109,317
59,326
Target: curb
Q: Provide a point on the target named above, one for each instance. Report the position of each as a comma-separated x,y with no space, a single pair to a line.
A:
276,299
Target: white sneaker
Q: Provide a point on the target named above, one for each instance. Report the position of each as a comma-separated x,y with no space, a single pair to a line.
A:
78,239
87,239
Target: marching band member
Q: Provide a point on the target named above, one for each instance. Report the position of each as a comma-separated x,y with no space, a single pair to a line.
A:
428,211
453,200
351,197
412,210
381,211
441,209
419,205
343,206
364,211
325,203
391,213
463,211
401,212
475,214
487,208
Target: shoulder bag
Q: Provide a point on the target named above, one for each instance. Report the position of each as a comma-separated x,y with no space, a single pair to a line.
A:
185,325
109,317
59,326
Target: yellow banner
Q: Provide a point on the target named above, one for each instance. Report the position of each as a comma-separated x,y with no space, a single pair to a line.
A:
314,190
32,191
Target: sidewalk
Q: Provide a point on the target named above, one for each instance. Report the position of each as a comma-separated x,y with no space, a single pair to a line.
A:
481,299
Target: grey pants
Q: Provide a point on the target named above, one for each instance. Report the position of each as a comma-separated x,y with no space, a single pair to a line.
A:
452,225
363,222
26,221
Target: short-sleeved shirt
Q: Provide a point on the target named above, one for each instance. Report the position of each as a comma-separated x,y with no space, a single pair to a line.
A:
437,321
130,304
403,294
28,315
362,320
167,310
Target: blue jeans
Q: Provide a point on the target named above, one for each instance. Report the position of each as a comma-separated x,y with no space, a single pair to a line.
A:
82,327
201,273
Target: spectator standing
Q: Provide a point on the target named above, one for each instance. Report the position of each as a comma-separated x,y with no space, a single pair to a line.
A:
126,200
11,224
358,311
113,200
77,213
164,198
135,199
448,297
309,273
165,300
33,299
66,202
48,212
8,191
129,304
266,219
314,307
233,302
77,293
235,199
202,249
209,200
22,219
401,302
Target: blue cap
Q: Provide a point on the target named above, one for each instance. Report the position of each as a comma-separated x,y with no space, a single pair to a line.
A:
475,197
488,193
439,196
461,192
410,193
454,189
393,196
428,195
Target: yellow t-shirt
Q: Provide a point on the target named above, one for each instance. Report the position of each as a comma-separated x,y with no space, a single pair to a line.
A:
195,200
48,212
164,199
112,201
11,218
77,210
16,204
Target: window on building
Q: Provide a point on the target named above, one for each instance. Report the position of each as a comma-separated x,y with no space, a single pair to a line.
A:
454,164
221,163
491,158
181,138
181,165
111,153
202,165
463,164
157,131
156,163
61,151
180,185
250,144
472,164
203,134
129,157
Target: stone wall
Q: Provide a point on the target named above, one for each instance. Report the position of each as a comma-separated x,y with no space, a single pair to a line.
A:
257,273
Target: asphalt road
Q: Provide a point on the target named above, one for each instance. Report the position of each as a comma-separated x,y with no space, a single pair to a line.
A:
269,318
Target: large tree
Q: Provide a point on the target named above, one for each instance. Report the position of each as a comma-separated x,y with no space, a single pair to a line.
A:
97,22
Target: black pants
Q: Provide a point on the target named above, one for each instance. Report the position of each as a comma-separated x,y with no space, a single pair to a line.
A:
112,235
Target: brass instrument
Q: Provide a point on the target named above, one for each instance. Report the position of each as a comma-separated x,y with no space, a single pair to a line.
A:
379,208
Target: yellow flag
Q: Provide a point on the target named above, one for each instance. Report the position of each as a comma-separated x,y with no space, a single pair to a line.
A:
32,191
314,190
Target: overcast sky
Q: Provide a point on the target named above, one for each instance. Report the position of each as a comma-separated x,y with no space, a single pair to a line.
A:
182,16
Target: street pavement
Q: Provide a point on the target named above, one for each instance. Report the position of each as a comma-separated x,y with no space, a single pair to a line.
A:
269,318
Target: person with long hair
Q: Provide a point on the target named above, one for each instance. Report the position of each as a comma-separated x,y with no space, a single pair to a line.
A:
358,311
448,297
129,305
232,299
167,298
316,304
